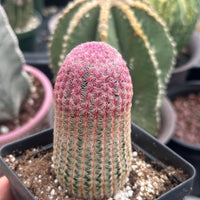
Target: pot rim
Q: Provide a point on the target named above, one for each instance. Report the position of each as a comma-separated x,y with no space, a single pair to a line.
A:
168,121
45,107
194,49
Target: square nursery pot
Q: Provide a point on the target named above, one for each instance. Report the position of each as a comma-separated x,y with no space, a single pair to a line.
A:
142,141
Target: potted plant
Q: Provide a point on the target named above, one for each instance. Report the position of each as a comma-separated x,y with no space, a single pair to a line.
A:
186,139
137,33
181,18
24,20
92,150
18,87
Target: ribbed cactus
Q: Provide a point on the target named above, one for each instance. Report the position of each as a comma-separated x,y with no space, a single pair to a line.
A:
19,12
92,143
180,16
139,35
14,85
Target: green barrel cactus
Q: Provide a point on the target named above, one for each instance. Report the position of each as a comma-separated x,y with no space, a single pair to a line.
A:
92,144
14,84
137,32
180,16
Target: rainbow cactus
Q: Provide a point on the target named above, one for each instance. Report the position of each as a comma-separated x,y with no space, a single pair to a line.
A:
92,143
137,32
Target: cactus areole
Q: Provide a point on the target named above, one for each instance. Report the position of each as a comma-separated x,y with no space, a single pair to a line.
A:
137,32
92,142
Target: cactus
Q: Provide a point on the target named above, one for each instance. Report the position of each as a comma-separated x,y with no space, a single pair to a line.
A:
14,86
92,143
19,13
137,32
180,16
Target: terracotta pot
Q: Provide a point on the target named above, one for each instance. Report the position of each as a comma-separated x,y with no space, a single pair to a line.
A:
179,74
42,117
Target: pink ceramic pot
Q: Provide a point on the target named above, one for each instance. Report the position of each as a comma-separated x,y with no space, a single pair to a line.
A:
42,119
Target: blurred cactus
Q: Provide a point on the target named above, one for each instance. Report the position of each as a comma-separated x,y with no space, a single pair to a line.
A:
14,86
19,12
140,36
92,143
180,16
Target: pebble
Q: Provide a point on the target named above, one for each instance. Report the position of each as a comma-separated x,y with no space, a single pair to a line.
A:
30,101
121,195
53,192
59,188
56,181
135,154
4,129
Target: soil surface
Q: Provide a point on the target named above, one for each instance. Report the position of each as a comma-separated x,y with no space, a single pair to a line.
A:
188,118
28,109
147,179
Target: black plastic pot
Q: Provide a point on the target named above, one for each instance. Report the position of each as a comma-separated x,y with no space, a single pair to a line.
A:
151,147
180,73
56,3
188,151
194,74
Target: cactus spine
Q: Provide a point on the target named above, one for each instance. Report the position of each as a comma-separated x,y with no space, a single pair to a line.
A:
139,35
92,143
19,12
180,16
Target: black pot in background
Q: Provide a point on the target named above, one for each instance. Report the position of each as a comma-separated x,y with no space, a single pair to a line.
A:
56,3
180,73
151,147
188,151
193,74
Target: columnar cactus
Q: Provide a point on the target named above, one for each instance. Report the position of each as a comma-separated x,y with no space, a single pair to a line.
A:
14,85
92,143
180,16
19,12
139,35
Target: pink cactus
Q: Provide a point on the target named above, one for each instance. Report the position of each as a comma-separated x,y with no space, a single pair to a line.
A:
92,144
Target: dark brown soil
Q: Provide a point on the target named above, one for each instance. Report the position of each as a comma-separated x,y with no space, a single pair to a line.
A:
188,118
28,109
147,180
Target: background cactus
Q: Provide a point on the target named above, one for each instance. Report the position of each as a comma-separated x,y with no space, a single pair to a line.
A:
180,16
19,12
92,143
14,86
139,35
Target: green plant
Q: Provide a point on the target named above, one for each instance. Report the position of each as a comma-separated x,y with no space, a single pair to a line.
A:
180,16
14,85
137,32
92,143
19,13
